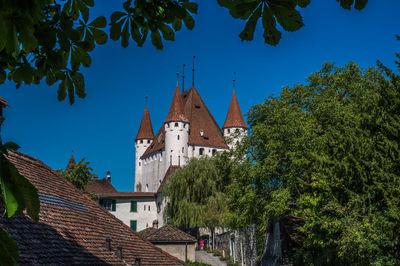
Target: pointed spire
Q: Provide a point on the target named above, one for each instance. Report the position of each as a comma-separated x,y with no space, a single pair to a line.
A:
71,161
183,77
176,112
193,72
145,128
234,118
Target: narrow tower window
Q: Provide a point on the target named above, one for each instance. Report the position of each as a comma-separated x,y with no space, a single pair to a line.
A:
201,151
178,137
183,149
176,124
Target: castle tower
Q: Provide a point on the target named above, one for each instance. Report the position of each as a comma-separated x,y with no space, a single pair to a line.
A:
176,133
143,140
234,127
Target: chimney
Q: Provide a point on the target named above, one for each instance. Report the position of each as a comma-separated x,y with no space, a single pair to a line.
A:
155,224
108,243
119,252
109,176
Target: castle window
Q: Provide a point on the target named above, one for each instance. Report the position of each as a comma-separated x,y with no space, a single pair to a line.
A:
176,124
141,141
133,206
147,187
140,163
201,151
229,131
133,225
183,149
148,141
149,207
214,151
201,133
144,207
168,125
178,137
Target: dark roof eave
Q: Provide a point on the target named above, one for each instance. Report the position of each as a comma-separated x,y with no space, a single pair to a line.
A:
172,241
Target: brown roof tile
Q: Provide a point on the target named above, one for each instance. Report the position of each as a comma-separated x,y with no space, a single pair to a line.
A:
72,228
146,128
234,118
145,232
176,112
168,233
100,186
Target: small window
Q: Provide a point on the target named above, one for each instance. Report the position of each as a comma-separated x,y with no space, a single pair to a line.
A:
148,141
109,205
183,149
147,187
141,141
137,262
144,207
133,206
201,151
201,133
214,151
133,225
113,205
158,207
229,131
176,124
140,163
178,137
149,207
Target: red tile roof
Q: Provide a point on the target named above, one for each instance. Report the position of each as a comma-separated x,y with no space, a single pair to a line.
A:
3,102
145,232
176,112
234,118
146,128
127,194
72,228
200,119
100,186
169,234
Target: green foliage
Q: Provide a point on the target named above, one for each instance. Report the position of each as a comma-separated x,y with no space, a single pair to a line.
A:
195,263
284,12
327,152
17,195
195,193
79,174
43,39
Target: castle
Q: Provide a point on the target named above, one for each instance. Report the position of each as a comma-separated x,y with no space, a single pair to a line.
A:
188,131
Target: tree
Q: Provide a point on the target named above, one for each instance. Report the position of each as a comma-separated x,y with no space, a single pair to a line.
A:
52,40
194,195
328,153
79,174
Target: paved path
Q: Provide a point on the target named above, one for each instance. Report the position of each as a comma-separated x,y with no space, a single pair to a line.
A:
202,256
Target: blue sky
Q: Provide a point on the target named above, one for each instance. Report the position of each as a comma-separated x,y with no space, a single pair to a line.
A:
102,127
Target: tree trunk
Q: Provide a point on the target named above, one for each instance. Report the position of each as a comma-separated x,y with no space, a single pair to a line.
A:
251,245
272,255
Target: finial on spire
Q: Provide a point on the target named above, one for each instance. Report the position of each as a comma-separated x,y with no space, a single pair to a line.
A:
183,77
193,71
177,76
145,99
234,80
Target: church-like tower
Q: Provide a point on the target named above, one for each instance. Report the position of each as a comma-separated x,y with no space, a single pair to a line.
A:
176,127
143,140
235,127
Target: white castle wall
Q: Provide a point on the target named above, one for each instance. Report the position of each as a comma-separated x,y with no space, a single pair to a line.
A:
176,143
235,134
140,147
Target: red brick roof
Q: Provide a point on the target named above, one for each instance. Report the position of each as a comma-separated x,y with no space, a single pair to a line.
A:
234,118
100,186
72,228
176,112
127,194
146,128
169,234
3,102
200,119
145,232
